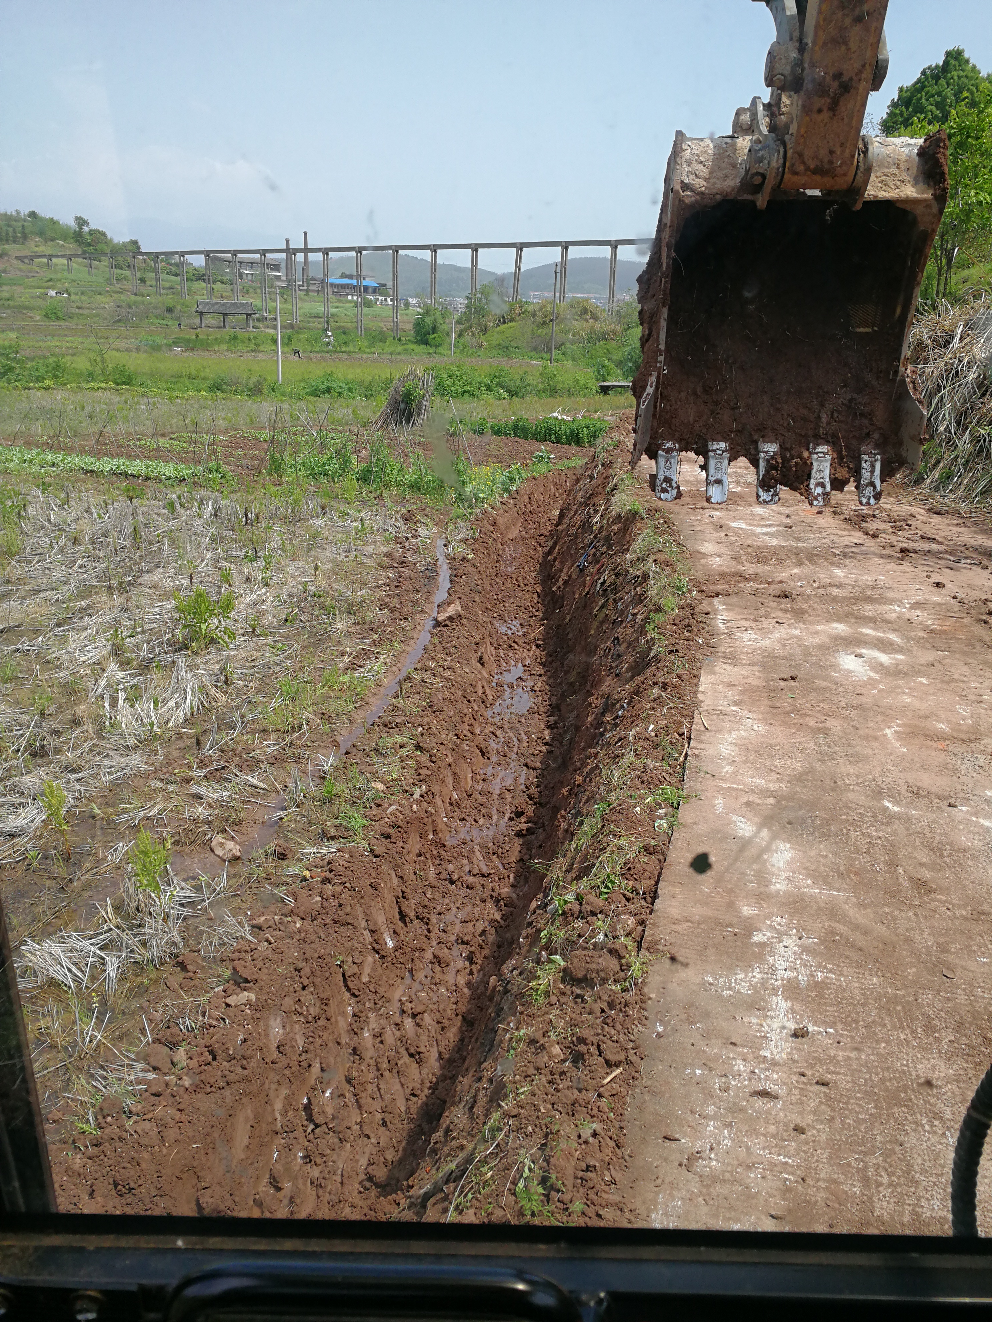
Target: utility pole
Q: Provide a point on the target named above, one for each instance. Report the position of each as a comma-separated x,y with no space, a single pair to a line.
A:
278,340
554,310
452,332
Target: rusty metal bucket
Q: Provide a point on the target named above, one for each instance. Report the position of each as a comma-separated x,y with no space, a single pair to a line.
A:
775,327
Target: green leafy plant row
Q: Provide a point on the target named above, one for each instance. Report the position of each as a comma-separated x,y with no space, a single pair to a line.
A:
20,458
550,431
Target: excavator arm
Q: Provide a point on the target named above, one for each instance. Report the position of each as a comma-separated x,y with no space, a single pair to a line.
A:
776,303
826,57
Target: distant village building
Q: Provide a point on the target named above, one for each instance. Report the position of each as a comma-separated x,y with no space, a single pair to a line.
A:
249,269
344,286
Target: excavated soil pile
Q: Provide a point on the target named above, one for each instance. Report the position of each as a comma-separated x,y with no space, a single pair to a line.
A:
442,1019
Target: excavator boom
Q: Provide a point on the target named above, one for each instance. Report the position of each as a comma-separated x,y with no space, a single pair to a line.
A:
776,303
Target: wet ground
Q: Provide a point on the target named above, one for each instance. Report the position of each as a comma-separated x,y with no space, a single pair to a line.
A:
439,1017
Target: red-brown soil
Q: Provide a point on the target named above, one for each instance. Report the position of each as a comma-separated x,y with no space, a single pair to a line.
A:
380,1048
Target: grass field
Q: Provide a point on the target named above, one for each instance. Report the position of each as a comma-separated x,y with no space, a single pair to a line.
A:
94,368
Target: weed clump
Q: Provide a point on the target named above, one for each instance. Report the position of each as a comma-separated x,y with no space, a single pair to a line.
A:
203,619
549,431
54,801
149,858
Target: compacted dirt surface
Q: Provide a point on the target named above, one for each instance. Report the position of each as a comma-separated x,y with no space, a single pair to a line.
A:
818,1001
440,1020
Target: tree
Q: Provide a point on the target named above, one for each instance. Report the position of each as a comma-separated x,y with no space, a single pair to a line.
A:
954,95
79,227
967,220
935,93
429,326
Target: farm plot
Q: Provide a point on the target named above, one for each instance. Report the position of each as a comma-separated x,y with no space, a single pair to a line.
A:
174,661
433,1013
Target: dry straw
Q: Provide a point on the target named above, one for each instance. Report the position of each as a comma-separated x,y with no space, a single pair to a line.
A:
951,350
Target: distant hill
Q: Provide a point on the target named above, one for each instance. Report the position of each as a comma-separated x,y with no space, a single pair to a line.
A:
415,273
27,231
586,275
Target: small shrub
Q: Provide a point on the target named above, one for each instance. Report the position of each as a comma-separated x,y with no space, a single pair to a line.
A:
56,309
149,858
54,801
430,326
549,431
122,375
203,619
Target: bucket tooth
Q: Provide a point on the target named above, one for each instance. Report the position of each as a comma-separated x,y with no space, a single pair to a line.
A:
819,477
766,488
717,472
870,478
666,482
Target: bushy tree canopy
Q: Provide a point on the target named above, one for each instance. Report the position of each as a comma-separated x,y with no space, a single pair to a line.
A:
954,95
429,326
939,89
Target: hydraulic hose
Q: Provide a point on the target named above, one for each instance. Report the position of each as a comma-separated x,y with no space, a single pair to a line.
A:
967,1159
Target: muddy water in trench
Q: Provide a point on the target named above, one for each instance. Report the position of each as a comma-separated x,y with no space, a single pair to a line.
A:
328,1060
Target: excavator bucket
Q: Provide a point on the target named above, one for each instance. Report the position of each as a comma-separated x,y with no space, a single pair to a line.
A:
775,317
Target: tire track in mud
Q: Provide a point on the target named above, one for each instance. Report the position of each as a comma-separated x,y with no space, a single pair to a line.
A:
330,1054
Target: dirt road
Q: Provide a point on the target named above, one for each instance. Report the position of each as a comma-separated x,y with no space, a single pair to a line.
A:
820,1009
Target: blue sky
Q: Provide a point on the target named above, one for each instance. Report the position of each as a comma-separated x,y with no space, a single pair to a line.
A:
243,121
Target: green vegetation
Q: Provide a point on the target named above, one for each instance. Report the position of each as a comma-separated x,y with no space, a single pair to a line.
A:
54,801
955,96
204,618
149,859
12,507
22,459
430,327
28,229
550,431
939,90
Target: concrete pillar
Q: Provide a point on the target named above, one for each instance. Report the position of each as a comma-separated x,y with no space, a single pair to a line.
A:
564,272
264,277
134,273
518,261
286,275
474,271
49,261
68,266
111,269
235,281
432,293
296,290
208,280
306,263
611,293
325,271
89,263
359,293
396,293
182,275
158,274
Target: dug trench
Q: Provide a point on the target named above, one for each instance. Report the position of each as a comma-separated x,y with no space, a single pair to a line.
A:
440,1022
